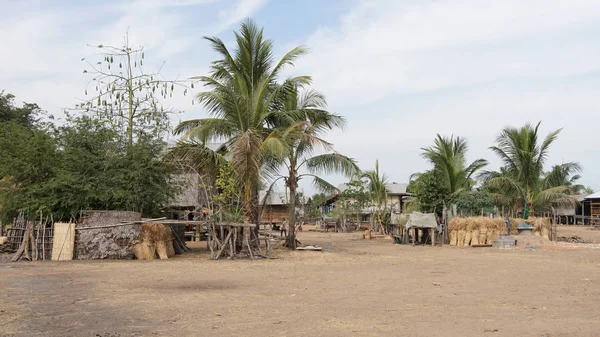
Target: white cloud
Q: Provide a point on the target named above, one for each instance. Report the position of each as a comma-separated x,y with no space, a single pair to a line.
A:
47,44
402,71
383,47
242,10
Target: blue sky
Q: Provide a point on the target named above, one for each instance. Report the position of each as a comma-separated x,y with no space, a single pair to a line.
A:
399,70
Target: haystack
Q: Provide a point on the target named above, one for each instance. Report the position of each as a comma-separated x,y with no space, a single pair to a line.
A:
155,239
481,230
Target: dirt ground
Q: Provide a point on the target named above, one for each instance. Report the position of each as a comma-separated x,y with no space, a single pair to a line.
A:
356,288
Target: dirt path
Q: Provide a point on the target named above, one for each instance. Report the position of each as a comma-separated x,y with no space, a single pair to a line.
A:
360,288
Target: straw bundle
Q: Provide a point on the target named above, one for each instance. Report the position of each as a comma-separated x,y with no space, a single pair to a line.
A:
483,236
453,237
482,230
468,237
155,239
461,237
542,226
475,236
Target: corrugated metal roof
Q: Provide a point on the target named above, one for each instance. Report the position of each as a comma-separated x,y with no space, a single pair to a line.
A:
396,188
274,198
393,189
593,196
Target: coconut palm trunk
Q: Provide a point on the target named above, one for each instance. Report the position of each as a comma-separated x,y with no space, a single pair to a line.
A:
292,185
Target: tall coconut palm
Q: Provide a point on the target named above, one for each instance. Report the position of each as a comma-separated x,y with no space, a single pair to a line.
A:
565,174
304,122
522,176
378,191
242,99
448,155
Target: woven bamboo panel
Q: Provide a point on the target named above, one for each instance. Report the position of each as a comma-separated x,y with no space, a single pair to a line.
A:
64,241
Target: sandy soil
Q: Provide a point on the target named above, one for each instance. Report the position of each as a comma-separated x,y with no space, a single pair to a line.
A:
359,288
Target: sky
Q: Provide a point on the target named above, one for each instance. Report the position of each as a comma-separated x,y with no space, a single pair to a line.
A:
400,71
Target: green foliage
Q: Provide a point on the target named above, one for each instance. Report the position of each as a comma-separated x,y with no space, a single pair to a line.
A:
522,178
243,99
27,156
82,164
430,190
471,203
449,158
355,198
313,206
23,116
228,194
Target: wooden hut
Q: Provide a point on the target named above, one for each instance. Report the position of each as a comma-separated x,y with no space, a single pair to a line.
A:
275,208
594,204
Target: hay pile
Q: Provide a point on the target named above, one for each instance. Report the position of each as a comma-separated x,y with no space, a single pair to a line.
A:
481,230
155,240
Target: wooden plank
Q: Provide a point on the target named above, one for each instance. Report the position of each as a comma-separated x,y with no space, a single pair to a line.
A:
64,241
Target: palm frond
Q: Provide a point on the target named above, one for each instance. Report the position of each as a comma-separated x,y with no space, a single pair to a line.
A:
332,163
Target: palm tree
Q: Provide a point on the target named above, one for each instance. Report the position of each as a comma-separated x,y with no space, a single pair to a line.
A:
306,117
378,192
522,177
448,155
243,99
566,174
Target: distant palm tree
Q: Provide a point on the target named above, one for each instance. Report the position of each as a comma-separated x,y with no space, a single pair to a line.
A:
243,100
448,155
378,192
522,177
304,124
566,174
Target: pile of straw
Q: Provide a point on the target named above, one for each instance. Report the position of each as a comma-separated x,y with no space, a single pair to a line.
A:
481,230
155,239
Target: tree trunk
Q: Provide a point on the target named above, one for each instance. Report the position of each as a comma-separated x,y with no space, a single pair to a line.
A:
290,240
254,206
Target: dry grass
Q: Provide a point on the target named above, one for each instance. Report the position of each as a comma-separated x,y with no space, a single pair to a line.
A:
483,230
155,239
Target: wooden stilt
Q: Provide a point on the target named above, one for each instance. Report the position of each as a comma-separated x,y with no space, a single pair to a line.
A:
222,246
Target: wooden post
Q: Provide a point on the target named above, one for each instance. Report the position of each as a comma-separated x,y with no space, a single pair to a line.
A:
248,244
209,244
433,236
222,246
33,242
415,235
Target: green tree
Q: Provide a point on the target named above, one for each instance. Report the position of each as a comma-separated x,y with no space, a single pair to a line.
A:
472,203
314,204
566,174
429,191
304,122
27,156
355,198
228,194
243,100
95,170
378,193
522,177
448,156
